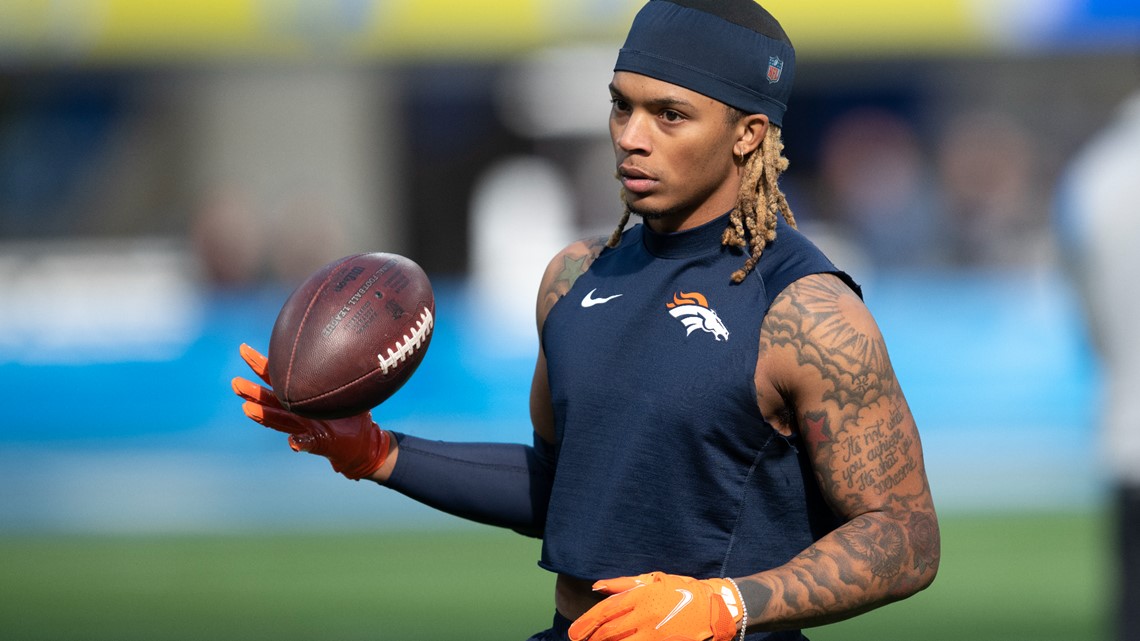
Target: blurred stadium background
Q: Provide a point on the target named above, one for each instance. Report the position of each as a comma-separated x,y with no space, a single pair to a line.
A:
169,170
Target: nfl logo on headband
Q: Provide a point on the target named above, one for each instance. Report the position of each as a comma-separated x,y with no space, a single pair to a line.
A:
775,68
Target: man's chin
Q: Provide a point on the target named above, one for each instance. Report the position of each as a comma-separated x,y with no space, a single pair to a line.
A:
640,210
647,215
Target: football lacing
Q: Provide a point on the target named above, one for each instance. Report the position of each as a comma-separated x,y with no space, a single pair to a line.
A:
408,344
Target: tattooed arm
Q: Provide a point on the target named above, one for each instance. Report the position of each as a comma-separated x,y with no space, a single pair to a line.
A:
560,275
572,596
824,373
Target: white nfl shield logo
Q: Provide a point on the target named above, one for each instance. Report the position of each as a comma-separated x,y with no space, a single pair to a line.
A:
775,69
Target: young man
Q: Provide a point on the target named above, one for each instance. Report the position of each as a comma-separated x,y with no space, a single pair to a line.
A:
722,449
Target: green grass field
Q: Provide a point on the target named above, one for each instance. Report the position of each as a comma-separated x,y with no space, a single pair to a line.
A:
1036,577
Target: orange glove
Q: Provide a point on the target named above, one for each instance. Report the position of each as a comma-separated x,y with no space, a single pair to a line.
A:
355,446
662,607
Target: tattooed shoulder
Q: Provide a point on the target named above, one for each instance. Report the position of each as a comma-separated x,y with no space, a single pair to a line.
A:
564,270
850,410
826,330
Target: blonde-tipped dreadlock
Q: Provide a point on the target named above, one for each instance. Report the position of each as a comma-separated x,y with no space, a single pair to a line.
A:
752,223
760,184
615,237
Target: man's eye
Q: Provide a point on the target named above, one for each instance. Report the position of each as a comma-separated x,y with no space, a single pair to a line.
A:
672,116
619,104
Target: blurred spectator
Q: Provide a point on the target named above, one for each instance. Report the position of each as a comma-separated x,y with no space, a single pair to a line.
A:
307,233
228,240
1098,222
986,172
240,242
877,188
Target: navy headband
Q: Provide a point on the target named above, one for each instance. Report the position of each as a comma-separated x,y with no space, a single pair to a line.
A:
731,51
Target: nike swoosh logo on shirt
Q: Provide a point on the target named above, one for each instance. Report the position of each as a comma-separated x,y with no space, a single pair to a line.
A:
590,301
686,597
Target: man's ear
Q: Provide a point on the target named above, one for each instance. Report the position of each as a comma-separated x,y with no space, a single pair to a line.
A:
750,132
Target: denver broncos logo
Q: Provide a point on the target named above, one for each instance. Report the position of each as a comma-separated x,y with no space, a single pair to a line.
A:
694,313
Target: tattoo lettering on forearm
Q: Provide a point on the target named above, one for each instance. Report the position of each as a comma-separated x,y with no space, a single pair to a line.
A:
872,459
889,459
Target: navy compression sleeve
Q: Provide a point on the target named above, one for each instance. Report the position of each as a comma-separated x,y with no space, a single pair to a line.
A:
502,484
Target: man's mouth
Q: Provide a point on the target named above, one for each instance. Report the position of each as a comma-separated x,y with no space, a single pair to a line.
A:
636,180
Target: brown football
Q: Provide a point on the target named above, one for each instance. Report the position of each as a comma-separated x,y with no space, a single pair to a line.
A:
351,335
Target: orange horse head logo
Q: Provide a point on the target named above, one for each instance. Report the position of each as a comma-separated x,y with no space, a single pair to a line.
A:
693,310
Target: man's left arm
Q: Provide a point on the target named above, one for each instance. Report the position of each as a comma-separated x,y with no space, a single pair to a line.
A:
825,365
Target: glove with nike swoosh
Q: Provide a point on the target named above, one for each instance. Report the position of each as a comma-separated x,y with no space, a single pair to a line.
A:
662,607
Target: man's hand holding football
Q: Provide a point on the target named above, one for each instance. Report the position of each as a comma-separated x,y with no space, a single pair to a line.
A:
355,446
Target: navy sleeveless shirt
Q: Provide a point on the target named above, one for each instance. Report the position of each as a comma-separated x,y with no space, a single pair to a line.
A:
664,460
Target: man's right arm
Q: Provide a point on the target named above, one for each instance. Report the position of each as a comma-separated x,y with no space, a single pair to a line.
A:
495,483
560,275
502,484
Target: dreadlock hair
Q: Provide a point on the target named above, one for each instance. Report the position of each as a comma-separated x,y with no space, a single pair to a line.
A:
752,223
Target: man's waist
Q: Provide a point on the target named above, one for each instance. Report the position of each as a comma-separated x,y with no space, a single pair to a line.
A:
572,596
